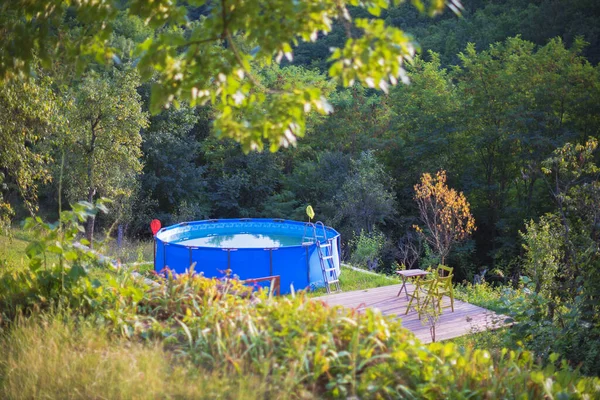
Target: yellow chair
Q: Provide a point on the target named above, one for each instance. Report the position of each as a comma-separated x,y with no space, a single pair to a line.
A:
444,286
433,290
425,291
443,270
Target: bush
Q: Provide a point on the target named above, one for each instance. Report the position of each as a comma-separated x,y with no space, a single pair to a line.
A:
567,334
288,345
274,347
367,249
57,267
332,351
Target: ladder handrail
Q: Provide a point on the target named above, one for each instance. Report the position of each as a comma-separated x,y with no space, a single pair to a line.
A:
322,225
314,232
328,268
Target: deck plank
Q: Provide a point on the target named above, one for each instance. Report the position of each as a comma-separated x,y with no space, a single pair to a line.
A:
466,318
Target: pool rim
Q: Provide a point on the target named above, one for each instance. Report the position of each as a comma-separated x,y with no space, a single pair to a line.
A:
211,221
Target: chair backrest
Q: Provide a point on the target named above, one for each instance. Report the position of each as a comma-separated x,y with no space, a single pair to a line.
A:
426,284
445,282
443,270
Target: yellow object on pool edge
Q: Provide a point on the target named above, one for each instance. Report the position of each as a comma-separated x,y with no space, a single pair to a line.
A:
310,212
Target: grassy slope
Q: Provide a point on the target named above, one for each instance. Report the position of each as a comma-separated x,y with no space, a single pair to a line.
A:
12,249
351,279
13,244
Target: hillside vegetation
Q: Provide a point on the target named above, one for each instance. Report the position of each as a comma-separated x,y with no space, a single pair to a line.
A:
426,133
96,332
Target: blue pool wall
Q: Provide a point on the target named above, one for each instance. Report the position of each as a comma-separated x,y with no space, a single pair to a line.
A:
296,265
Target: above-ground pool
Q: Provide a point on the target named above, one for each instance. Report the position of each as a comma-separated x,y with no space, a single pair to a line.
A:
249,248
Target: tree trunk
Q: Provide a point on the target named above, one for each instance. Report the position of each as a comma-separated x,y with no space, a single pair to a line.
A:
89,226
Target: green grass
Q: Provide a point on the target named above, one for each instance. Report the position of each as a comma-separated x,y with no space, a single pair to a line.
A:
14,242
12,249
131,251
493,340
483,295
351,279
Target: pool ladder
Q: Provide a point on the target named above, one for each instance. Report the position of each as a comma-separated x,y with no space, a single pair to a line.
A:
325,252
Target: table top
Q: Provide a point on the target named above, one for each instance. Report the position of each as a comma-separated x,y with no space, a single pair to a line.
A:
412,272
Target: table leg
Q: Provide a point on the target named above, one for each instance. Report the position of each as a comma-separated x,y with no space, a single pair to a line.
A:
403,287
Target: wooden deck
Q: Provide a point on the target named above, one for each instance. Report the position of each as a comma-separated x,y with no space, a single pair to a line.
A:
465,319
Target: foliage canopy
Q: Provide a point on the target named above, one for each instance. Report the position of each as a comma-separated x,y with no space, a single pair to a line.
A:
213,60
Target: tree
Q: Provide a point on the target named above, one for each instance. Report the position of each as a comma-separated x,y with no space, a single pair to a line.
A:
239,185
562,256
444,212
316,181
544,248
519,103
29,115
6,211
171,149
423,126
358,123
366,200
103,145
573,181
211,60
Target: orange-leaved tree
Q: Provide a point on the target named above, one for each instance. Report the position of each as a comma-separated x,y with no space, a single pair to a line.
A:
445,213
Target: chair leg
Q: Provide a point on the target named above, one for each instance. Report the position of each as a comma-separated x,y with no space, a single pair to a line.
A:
412,297
428,297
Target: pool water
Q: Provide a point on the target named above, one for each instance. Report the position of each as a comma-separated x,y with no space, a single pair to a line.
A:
244,240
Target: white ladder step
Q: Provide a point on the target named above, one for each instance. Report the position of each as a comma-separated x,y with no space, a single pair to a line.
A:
333,281
327,257
326,245
329,269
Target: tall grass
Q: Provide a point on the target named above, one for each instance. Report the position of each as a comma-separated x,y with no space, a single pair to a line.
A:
53,358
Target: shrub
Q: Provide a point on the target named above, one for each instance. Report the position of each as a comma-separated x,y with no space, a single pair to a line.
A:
567,334
273,347
56,267
543,253
367,249
332,351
